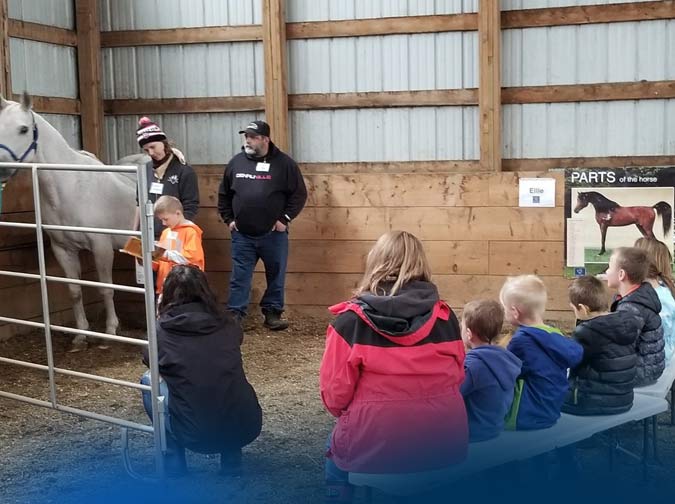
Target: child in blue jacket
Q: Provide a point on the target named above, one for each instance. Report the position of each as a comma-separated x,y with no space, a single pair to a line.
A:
490,370
545,352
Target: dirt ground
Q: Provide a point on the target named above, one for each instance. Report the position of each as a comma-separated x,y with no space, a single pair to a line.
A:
53,457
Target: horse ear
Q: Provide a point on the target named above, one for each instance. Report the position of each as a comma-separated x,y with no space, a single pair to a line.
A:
3,102
26,101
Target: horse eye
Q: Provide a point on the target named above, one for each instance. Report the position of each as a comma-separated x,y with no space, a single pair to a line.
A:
23,130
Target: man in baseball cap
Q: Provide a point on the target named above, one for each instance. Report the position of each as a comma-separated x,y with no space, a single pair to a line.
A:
261,192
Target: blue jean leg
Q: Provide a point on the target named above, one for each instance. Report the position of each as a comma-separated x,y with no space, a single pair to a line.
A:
333,473
244,259
273,250
147,398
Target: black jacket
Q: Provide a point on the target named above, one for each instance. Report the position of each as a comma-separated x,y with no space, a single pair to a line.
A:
643,303
602,384
180,181
255,198
212,406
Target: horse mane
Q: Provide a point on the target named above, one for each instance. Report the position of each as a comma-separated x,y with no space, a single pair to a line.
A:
601,203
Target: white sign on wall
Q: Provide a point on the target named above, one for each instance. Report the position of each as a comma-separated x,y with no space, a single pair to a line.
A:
536,192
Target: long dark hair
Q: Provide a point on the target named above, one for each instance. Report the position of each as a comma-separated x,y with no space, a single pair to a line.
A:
188,284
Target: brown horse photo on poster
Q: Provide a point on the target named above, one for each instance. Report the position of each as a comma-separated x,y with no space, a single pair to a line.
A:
609,213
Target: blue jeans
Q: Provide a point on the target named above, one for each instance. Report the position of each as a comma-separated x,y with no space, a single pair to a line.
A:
147,399
333,473
272,248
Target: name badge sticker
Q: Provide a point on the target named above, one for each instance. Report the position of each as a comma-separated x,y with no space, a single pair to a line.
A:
156,188
263,167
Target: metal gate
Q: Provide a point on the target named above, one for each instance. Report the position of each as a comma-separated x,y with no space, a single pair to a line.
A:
147,237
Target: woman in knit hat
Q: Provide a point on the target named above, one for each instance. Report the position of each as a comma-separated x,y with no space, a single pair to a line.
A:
167,172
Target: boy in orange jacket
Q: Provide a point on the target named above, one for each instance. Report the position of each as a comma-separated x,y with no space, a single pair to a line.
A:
182,239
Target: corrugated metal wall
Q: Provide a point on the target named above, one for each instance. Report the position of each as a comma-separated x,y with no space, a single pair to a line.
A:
182,71
618,52
326,10
596,53
59,13
46,69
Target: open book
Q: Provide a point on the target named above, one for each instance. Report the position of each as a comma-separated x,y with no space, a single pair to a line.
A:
134,247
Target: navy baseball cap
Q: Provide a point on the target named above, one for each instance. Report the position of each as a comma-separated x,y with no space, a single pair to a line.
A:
257,128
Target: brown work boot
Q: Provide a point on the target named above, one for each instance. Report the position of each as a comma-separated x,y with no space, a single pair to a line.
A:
274,321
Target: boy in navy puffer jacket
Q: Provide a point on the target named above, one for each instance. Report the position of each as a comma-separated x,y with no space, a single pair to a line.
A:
490,370
628,267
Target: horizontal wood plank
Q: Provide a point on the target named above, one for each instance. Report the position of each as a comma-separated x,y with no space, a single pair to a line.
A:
41,33
184,105
520,258
375,190
503,188
201,35
382,26
376,99
540,164
53,104
589,92
588,14
432,223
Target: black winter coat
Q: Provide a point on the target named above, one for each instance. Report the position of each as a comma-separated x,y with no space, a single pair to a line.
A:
602,384
212,406
643,303
179,181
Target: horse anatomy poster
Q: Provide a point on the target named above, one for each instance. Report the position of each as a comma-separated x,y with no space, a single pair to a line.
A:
612,207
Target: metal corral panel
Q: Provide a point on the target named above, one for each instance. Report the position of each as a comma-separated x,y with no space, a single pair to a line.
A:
204,138
43,69
59,13
615,128
162,14
327,10
393,134
68,126
536,4
614,52
384,63
193,70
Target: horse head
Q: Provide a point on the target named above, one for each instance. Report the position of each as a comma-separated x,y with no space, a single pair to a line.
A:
18,134
582,202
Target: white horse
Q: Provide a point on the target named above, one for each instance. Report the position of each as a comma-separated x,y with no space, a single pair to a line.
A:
91,199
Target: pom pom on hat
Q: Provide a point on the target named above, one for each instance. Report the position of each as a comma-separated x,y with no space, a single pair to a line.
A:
148,132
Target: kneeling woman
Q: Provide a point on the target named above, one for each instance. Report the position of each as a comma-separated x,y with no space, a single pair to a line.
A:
391,371
211,406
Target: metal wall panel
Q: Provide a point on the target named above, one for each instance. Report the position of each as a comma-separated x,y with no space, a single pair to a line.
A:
43,69
59,13
536,4
68,126
384,63
163,14
615,128
328,10
204,138
184,71
613,52
393,134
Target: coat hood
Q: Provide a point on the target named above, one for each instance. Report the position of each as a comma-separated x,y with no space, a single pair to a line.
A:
405,318
564,351
494,363
644,295
623,326
189,319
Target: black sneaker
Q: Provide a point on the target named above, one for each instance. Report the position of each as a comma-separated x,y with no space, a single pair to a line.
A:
274,321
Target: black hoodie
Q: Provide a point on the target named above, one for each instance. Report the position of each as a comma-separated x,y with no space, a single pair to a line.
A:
643,303
602,384
212,406
255,196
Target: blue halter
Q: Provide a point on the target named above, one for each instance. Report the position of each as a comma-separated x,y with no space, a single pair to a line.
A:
32,147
